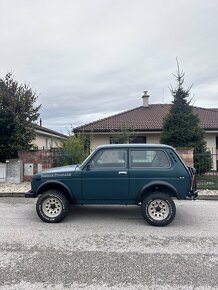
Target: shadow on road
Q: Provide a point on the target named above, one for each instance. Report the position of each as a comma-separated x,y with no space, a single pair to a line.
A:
112,212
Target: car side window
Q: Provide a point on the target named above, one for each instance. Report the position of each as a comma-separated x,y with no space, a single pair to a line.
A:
148,158
110,158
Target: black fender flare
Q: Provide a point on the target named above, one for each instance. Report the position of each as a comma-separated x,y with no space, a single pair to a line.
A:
156,183
55,183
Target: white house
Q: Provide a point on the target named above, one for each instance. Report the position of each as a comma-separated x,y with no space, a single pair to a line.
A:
47,138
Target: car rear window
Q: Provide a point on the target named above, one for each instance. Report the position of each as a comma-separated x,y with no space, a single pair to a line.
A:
148,158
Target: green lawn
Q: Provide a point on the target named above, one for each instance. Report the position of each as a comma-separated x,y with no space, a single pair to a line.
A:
207,181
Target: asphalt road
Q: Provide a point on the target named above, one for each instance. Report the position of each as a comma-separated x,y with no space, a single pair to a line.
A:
108,247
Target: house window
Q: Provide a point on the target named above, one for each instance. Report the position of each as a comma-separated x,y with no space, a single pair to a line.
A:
114,140
111,140
138,139
216,142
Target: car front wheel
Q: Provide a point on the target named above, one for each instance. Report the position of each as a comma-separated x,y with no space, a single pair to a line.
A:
158,209
52,206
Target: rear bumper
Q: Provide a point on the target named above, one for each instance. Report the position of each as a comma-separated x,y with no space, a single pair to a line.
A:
193,194
30,194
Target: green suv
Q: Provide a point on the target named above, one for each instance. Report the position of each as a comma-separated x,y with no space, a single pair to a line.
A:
146,175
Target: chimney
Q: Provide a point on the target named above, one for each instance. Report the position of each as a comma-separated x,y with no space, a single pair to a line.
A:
145,99
40,122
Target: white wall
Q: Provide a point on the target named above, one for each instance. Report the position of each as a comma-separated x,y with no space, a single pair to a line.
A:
210,138
153,138
99,139
46,142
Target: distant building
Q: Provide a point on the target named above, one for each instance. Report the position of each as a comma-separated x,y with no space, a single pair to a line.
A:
47,138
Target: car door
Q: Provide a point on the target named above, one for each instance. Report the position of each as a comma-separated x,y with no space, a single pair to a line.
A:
105,177
145,166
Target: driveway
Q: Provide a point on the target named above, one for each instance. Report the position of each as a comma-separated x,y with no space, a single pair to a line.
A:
108,247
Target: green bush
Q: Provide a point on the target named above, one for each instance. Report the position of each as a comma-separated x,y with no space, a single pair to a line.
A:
74,150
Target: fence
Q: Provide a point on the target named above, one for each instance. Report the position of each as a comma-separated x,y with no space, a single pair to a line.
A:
11,171
2,172
33,161
206,165
37,160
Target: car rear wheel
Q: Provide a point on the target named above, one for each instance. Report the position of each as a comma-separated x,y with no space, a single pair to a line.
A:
158,209
52,206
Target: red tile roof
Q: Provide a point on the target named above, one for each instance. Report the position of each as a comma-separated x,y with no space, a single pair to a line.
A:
147,119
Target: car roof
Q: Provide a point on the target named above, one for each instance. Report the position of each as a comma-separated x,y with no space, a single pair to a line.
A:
159,146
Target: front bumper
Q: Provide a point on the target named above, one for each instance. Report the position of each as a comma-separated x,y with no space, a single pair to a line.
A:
30,194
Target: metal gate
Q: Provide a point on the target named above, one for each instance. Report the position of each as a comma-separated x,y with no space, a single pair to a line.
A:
2,172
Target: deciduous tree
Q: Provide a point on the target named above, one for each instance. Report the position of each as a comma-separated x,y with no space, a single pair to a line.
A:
74,150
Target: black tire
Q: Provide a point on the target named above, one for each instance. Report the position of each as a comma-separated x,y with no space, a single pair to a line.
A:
52,206
158,209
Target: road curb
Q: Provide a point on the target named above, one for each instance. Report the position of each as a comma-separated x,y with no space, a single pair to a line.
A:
208,197
12,194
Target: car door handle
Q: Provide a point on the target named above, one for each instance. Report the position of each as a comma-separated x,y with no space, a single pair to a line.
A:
122,172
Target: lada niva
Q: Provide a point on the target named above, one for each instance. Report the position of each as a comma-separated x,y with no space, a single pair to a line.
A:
130,174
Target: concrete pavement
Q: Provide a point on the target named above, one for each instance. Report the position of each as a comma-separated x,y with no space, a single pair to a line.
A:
108,247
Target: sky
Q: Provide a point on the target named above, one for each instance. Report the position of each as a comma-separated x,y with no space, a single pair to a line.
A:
89,59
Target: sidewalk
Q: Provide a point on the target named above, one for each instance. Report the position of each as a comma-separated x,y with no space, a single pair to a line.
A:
18,190
14,189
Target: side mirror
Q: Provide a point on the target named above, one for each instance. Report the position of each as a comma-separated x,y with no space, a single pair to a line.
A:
88,167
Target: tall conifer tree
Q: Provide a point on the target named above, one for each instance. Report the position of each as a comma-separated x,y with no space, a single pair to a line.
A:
181,126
